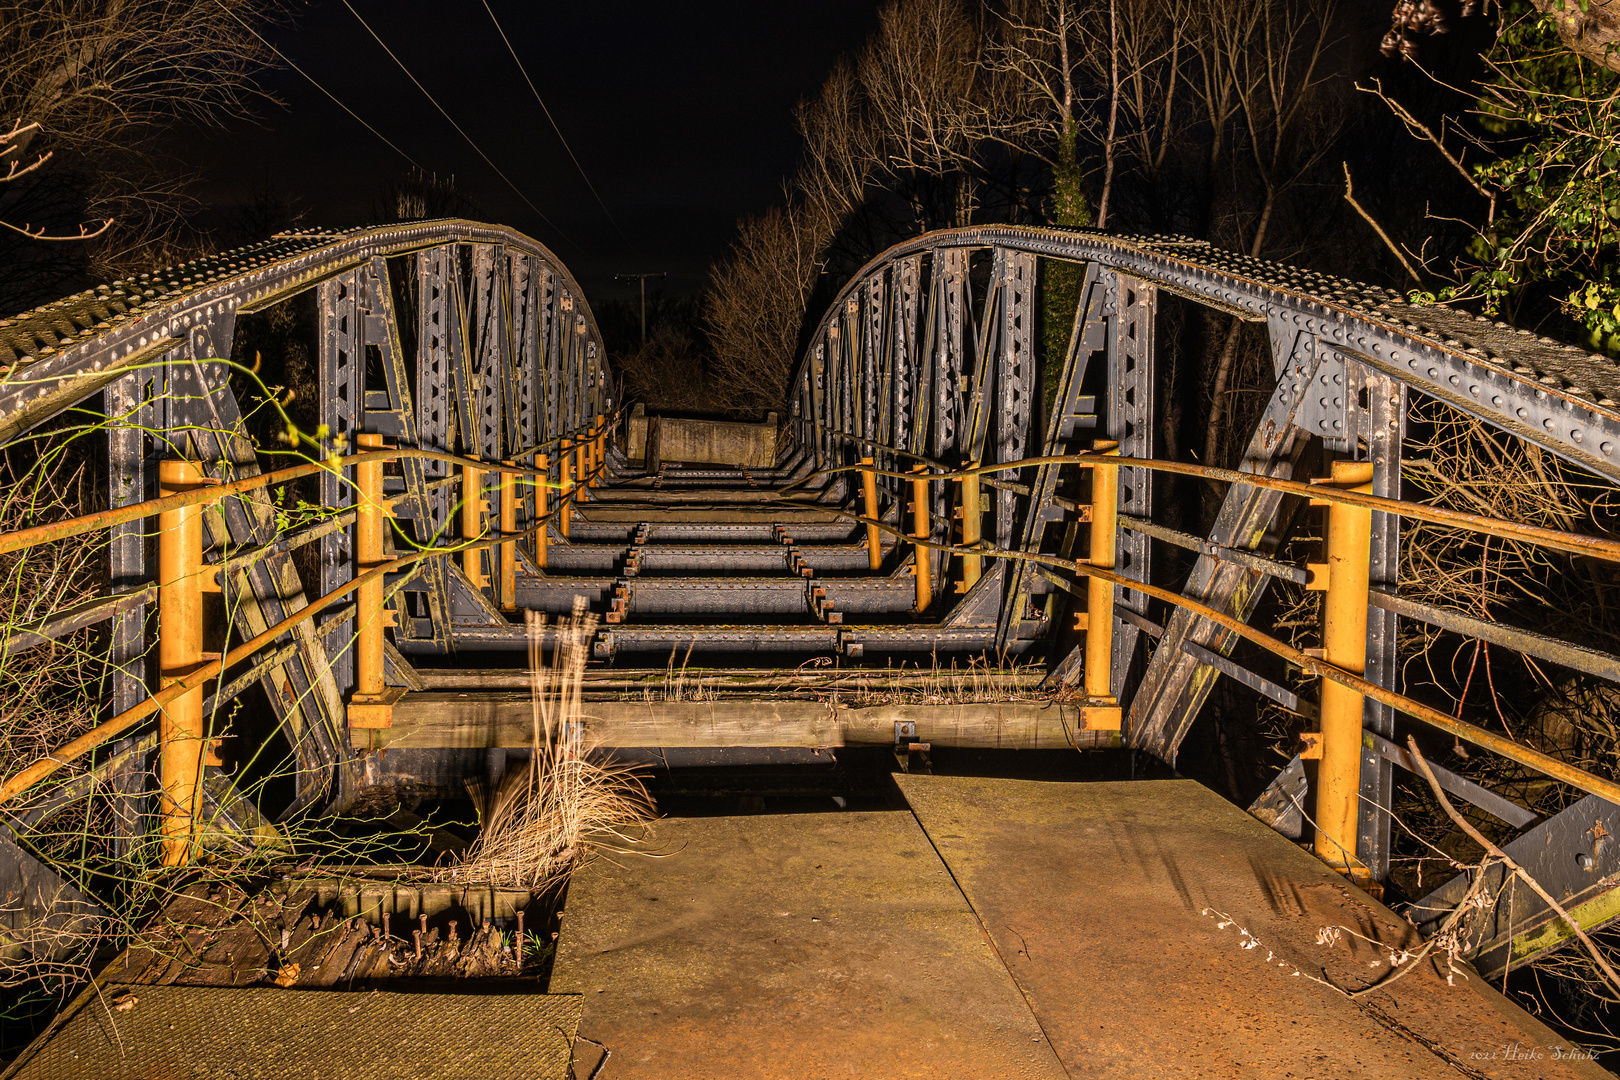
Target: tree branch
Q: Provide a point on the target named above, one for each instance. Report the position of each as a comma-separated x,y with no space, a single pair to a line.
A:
1349,197
1507,861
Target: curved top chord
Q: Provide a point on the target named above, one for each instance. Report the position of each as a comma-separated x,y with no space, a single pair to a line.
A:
60,353
1558,396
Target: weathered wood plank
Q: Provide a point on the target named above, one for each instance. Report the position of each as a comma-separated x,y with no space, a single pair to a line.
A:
445,720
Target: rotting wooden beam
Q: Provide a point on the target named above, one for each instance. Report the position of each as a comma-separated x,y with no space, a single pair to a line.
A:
495,720
757,681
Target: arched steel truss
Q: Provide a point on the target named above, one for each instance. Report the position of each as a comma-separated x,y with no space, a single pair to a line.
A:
929,354
507,360
473,340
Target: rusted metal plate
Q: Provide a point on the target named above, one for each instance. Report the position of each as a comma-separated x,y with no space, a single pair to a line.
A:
808,945
195,1031
1125,912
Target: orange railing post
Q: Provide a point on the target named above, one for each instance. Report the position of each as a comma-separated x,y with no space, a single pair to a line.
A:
874,535
472,523
372,705
972,523
509,535
542,492
1344,577
1102,711
565,503
598,450
180,651
582,470
920,530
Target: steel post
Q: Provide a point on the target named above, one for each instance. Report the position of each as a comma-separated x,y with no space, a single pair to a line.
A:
920,529
874,535
598,447
1344,642
542,495
582,469
509,535
472,523
565,502
180,642
972,511
372,705
1100,593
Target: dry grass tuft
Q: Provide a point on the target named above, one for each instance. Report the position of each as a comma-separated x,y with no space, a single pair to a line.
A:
977,683
544,819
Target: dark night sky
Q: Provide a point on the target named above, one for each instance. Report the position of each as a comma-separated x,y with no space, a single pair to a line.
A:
680,113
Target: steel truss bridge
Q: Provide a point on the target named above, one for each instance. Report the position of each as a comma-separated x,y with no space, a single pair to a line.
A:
934,499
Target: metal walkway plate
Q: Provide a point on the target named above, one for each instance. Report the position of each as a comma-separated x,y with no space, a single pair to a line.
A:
808,945
1126,911
203,1031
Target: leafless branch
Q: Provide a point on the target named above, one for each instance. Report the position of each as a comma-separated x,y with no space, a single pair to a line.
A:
1419,129
1349,197
84,233
1507,861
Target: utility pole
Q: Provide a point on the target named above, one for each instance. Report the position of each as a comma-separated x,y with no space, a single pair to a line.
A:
643,279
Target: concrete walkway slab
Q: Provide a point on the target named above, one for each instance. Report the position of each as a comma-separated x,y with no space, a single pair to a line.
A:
196,1032
1159,931
795,946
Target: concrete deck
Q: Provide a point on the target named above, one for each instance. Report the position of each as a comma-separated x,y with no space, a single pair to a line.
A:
212,1033
802,946
1017,929
1121,910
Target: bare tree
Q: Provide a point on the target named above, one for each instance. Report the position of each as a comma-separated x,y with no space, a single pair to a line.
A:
919,75
1039,51
755,306
840,150
86,84
1154,53
1092,75
1266,69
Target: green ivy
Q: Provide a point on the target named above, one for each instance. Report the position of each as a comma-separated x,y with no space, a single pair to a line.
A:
1557,183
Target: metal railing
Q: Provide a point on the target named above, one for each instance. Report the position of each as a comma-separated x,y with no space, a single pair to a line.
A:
184,576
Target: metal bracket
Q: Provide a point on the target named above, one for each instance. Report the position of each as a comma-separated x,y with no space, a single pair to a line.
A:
911,754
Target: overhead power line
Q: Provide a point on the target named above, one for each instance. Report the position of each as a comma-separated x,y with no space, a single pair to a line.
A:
459,131
246,26
560,137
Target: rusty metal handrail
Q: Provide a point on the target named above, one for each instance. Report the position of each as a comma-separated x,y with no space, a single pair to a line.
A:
1570,543
209,493
127,719
1500,744
102,519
